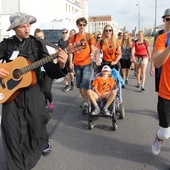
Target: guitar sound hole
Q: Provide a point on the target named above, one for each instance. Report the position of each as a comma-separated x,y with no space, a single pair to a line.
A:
17,74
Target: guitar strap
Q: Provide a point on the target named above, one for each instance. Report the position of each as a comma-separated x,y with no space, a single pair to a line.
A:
47,43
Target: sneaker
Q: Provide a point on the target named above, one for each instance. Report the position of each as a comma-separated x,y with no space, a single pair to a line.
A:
106,112
72,87
138,85
95,112
156,146
51,107
142,89
82,103
67,88
47,149
126,81
85,109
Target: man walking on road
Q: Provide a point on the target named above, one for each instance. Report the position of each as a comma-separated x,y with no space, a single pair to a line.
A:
82,62
161,58
153,70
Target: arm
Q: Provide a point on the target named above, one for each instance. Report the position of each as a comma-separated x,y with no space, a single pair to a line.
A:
98,63
3,50
3,73
92,51
133,55
71,61
160,56
118,54
152,68
148,52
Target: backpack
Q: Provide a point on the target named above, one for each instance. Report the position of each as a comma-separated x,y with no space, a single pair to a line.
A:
87,38
136,44
159,70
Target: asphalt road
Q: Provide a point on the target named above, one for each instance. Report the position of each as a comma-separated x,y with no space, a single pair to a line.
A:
128,148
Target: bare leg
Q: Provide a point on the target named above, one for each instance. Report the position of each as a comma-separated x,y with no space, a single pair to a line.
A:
110,97
138,72
143,73
66,80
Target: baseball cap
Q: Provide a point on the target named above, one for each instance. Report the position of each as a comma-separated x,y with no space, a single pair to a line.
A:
106,68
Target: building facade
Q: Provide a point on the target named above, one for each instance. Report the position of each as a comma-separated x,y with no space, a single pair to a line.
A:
97,24
44,11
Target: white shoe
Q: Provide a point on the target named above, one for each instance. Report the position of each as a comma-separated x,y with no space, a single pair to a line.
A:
156,146
95,112
106,112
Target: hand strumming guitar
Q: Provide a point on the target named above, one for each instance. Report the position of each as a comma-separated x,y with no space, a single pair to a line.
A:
3,73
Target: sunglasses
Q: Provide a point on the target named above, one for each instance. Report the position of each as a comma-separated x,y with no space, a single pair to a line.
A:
65,32
108,30
82,25
167,19
98,37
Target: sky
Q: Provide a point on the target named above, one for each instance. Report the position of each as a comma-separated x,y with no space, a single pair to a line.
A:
125,12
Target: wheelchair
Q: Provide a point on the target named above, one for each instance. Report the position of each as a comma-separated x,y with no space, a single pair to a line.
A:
116,109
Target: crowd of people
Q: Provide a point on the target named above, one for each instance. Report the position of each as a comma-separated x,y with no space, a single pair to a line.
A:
28,133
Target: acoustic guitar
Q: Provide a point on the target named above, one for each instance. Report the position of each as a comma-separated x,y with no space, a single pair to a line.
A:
22,74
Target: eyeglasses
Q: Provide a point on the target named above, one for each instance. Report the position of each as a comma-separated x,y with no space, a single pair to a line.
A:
82,25
65,32
108,30
167,19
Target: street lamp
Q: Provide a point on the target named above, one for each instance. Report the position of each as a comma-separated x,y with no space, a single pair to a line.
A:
155,16
141,23
138,5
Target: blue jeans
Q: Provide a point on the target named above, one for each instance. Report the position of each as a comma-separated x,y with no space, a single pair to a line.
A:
83,76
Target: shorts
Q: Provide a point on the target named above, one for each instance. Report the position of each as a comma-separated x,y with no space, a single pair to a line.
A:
125,63
163,108
83,76
141,60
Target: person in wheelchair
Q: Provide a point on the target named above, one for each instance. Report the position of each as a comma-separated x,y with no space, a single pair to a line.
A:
104,89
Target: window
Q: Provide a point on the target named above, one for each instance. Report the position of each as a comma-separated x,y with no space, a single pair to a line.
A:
10,6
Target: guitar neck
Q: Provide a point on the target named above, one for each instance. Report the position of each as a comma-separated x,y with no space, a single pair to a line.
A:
71,49
38,63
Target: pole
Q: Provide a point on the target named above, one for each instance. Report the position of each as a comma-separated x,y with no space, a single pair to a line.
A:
138,16
155,16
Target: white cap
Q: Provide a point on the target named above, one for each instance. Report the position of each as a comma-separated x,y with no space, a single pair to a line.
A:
106,68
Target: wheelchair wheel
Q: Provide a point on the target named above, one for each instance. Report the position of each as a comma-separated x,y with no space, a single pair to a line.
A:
90,125
121,111
114,125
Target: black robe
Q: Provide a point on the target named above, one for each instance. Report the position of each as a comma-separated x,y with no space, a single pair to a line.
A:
24,120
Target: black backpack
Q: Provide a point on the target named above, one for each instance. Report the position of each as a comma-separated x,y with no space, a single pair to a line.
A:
159,70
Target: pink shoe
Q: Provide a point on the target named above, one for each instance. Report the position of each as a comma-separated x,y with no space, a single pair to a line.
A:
51,107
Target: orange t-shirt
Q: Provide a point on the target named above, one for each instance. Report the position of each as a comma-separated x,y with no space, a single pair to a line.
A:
82,58
110,53
104,86
164,85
